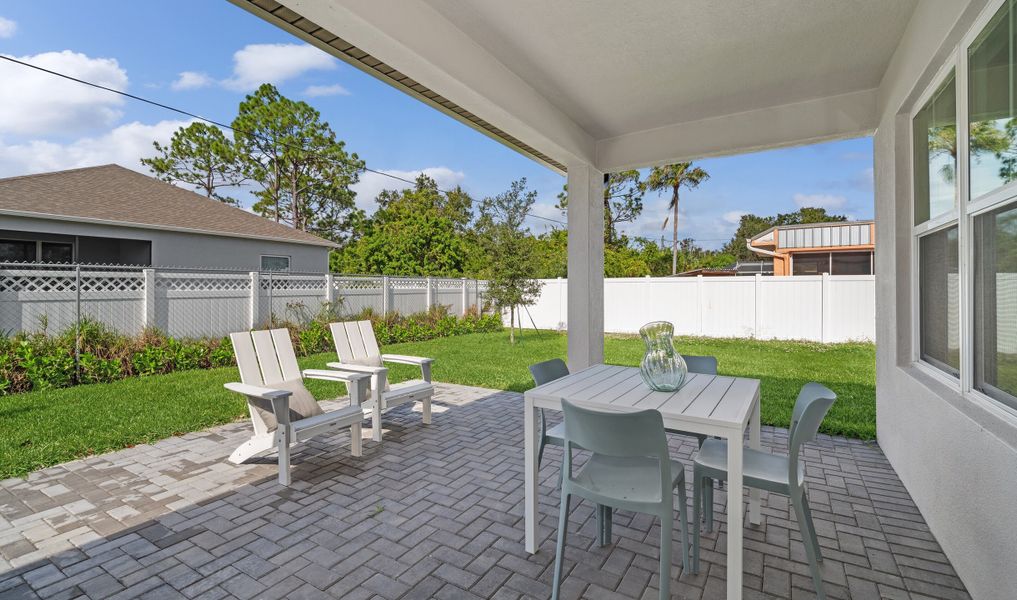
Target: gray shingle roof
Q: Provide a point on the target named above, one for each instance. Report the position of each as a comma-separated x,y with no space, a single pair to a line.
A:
116,195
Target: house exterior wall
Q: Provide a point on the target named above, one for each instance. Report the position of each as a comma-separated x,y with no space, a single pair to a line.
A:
180,249
956,455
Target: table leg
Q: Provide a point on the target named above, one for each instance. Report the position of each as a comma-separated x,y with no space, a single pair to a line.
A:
530,446
735,512
754,516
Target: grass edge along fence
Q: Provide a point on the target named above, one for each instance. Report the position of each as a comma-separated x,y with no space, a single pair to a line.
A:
91,352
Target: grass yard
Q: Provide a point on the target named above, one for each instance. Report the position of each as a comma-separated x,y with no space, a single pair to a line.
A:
39,429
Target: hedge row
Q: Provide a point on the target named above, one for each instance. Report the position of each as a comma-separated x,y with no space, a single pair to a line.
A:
38,361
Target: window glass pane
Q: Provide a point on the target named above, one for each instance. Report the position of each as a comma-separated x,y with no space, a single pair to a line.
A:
995,237
939,291
17,251
57,253
810,263
275,263
935,146
852,263
991,93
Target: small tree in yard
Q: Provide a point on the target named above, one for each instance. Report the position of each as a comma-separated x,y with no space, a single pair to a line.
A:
512,262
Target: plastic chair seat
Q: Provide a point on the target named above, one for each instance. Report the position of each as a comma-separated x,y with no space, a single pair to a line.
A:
556,435
762,470
627,479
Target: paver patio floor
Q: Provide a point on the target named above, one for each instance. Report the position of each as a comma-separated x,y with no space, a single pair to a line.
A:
433,512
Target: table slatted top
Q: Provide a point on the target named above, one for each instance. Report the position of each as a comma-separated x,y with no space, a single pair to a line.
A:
708,400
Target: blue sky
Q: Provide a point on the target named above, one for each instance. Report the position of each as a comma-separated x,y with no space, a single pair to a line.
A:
144,48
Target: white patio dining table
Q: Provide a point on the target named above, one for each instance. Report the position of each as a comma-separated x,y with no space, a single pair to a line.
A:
712,405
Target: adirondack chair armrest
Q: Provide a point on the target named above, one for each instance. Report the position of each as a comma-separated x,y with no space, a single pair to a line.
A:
256,391
356,383
356,368
345,375
420,361
406,360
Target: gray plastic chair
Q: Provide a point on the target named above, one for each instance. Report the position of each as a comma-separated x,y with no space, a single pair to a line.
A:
705,365
630,469
546,372
770,472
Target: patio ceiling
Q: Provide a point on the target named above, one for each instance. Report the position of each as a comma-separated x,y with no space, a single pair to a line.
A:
622,84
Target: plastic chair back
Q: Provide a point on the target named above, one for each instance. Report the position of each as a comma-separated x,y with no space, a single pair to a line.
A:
705,365
548,371
814,401
619,434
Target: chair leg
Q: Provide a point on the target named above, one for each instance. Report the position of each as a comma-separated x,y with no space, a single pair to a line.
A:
810,551
666,529
812,527
605,519
376,422
559,554
426,410
697,499
356,440
683,517
540,450
708,503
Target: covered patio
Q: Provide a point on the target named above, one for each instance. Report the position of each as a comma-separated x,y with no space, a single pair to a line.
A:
589,88
433,512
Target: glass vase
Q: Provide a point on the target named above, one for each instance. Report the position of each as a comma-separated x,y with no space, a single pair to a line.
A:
662,368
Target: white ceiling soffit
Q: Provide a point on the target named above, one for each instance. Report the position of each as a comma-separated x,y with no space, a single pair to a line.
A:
629,82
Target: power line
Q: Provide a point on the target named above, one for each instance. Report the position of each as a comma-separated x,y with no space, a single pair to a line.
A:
208,120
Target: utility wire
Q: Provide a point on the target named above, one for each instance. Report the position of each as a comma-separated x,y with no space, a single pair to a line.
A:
208,120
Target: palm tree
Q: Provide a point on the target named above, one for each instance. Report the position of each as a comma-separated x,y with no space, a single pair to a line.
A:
674,177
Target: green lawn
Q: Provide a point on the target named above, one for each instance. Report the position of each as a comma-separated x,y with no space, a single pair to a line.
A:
38,429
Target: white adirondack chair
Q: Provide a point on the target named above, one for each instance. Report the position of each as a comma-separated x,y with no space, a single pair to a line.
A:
282,411
358,351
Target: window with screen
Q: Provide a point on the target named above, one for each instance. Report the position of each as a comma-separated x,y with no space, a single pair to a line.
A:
810,263
17,251
939,293
851,263
275,263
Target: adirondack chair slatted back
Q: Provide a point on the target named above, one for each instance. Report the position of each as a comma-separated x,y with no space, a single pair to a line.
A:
354,341
266,358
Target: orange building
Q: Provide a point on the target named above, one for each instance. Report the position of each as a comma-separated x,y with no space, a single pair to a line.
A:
844,248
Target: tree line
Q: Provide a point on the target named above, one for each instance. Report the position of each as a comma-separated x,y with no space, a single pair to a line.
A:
301,174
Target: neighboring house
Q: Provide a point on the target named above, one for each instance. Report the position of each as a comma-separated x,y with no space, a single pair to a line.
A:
111,214
844,248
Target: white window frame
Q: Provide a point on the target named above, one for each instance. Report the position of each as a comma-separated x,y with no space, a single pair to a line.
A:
962,216
261,263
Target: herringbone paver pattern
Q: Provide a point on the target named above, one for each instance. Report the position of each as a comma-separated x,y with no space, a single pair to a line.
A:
433,512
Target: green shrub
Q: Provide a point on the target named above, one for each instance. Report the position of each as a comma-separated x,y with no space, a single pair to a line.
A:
151,360
40,361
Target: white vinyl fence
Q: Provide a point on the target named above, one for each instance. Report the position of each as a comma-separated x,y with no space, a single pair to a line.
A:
824,308
190,303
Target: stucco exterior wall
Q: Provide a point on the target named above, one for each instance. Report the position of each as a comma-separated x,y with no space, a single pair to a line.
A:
179,249
957,456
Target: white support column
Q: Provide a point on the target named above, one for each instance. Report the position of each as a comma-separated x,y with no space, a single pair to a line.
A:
149,297
757,298
255,295
585,266
466,298
329,289
699,305
430,292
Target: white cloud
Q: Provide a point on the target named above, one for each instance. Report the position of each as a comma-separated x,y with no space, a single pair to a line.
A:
372,184
33,102
124,145
191,80
7,28
316,91
256,64
827,201
734,216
